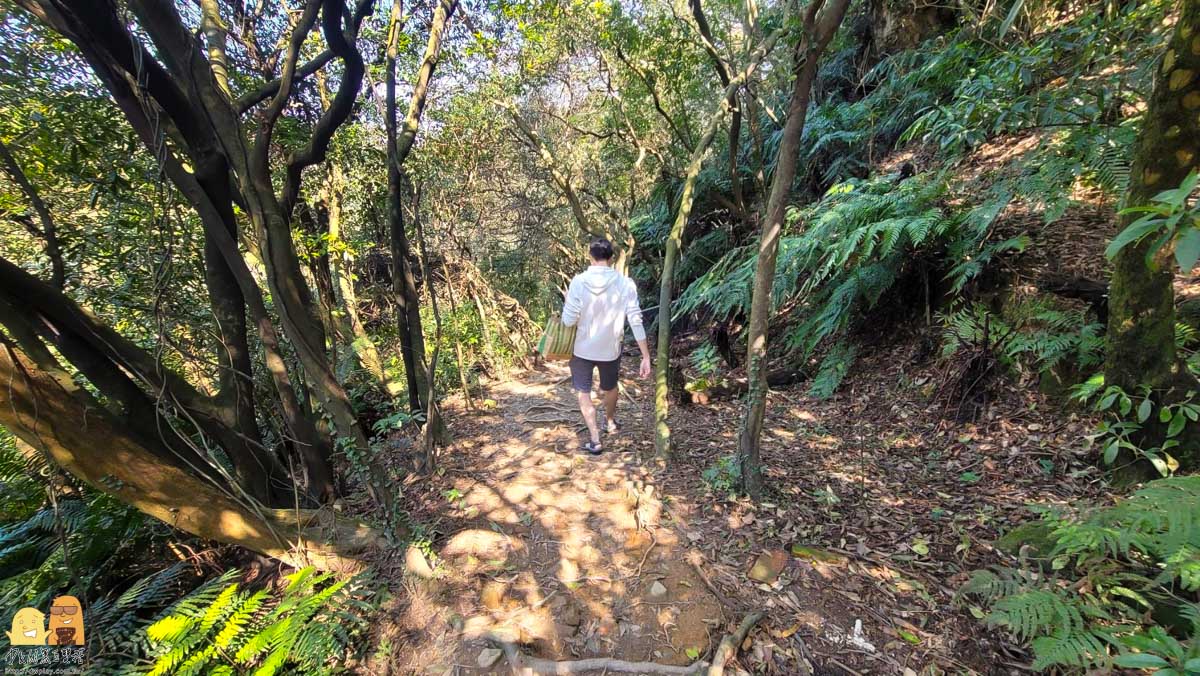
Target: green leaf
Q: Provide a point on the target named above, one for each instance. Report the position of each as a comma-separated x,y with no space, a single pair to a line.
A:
1135,232
1012,16
1140,661
1187,249
1110,452
1177,423
1160,465
1144,409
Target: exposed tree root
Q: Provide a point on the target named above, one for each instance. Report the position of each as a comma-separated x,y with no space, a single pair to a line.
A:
524,665
729,645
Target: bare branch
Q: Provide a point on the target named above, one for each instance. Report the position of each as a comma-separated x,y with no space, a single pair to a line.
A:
49,231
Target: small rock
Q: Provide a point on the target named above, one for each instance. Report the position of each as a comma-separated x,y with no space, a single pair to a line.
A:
657,590
488,657
768,566
416,564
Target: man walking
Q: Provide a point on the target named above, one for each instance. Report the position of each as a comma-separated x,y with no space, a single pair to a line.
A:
599,301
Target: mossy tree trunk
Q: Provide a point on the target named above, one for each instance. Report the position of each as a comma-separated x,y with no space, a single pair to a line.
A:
821,21
1140,346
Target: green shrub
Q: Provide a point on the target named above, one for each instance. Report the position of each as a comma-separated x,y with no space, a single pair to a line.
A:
1100,597
1125,415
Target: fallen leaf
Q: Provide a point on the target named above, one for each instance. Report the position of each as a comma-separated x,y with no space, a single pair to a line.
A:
817,554
786,632
768,566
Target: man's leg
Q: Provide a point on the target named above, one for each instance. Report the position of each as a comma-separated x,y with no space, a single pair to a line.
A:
581,381
589,415
610,386
610,409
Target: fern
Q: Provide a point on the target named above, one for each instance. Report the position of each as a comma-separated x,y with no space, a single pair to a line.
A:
32,566
221,628
1072,649
1030,334
856,242
1114,565
833,370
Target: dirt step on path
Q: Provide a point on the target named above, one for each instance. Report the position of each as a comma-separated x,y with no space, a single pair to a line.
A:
568,555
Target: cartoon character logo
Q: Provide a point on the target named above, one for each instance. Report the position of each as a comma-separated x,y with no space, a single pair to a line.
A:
28,627
66,621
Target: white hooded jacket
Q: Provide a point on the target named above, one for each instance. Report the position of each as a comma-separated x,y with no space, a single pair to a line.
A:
599,301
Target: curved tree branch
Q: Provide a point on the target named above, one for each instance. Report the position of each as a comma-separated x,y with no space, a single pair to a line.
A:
339,108
49,231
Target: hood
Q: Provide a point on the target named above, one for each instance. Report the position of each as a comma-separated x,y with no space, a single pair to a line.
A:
599,278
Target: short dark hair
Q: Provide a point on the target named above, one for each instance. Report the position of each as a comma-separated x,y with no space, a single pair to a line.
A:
601,249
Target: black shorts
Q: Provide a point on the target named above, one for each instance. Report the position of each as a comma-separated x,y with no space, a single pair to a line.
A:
581,373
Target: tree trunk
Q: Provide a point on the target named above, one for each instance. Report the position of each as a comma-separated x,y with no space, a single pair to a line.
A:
735,122
818,30
408,297
258,471
214,30
46,410
314,221
403,285
662,431
177,88
400,143
34,312
1140,345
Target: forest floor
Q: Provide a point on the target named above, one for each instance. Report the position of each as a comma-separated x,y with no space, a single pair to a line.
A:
878,510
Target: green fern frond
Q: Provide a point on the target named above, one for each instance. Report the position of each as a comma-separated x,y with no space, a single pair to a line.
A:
1069,649
833,370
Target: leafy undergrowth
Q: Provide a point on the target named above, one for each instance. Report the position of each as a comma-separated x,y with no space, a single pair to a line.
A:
906,502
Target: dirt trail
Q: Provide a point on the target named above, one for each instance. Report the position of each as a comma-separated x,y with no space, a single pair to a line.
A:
568,555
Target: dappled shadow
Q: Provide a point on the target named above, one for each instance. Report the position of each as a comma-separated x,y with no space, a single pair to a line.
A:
567,555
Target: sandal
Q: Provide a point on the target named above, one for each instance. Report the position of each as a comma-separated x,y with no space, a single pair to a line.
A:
593,448
612,427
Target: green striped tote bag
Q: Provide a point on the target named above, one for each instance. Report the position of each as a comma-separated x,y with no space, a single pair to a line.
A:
558,340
